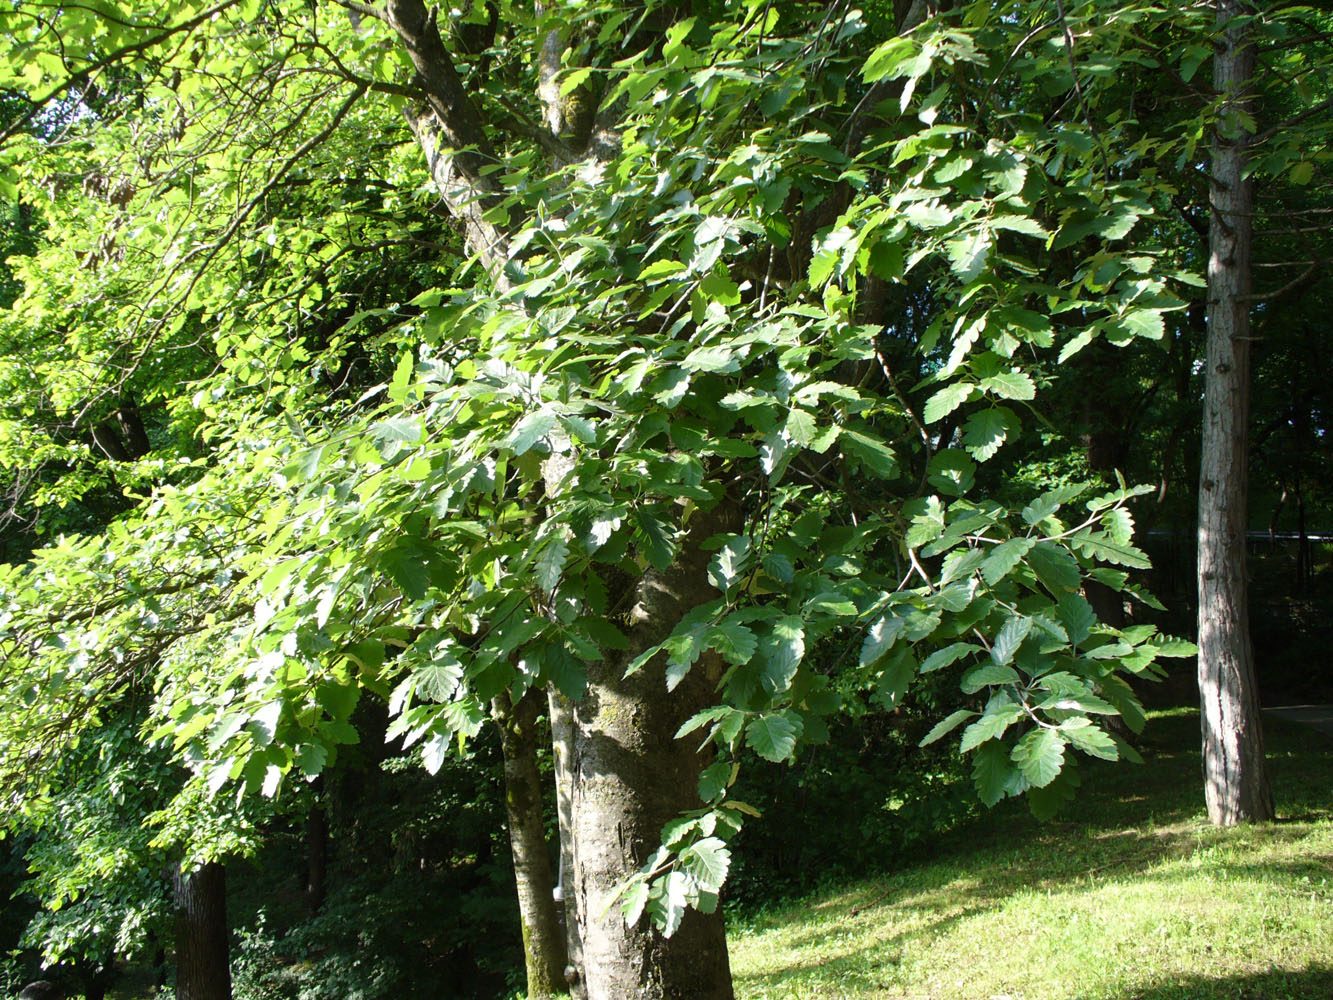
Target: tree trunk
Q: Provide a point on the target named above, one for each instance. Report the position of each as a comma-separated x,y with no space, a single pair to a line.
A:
543,939
202,968
562,752
1235,776
317,855
631,776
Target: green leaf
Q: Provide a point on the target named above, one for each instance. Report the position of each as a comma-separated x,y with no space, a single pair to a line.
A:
1003,558
1089,739
660,270
1011,636
1039,756
532,428
881,637
946,400
985,431
986,674
1055,567
873,453
801,428
772,736
945,726
734,642
783,649
1010,385
633,902
715,779
947,656
708,860
1077,616
1001,713
992,772
658,546
730,563
1101,547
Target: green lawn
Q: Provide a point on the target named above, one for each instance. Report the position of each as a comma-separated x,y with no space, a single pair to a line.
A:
1131,895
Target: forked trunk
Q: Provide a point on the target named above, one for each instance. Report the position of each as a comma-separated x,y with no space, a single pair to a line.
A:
1235,775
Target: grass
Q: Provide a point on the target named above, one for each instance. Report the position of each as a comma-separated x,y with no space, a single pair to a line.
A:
1132,895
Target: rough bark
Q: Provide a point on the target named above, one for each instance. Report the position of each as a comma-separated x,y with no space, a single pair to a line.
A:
1235,775
631,776
543,939
203,971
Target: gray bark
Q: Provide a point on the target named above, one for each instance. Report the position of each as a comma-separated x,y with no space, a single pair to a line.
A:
1236,784
631,776
543,939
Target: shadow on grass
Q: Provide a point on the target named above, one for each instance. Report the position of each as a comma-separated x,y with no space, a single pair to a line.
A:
1310,983
1132,826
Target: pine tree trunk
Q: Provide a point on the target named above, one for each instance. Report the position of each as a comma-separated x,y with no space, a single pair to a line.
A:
631,776
543,939
202,968
1235,775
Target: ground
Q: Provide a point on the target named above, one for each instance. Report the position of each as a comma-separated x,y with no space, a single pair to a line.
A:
1131,894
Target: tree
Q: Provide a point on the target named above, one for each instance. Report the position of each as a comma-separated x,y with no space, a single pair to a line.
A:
1235,773
686,233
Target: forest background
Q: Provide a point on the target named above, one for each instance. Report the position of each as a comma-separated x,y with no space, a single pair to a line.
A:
449,454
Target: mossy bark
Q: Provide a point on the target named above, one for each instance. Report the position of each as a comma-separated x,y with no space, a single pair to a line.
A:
543,939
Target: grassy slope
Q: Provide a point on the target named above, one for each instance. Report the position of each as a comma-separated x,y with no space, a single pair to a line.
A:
1131,894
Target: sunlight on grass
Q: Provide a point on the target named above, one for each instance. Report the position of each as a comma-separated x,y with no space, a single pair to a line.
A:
1139,897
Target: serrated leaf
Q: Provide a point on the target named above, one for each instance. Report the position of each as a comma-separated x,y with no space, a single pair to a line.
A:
800,427
1090,739
986,674
1039,756
1102,548
945,726
984,433
873,453
1011,636
550,563
633,902
1055,567
783,650
1003,558
660,270
1010,385
715,779
733,641
730,563
772,736
708,860
947,656
531,429
992,772
946,400
1077,616
990,726
881,637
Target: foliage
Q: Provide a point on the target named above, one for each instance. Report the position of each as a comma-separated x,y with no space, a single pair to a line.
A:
804,295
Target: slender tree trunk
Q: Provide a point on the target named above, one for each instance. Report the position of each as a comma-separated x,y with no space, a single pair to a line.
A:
317,856
1235,775
631,776
543,939
203,971
562,751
